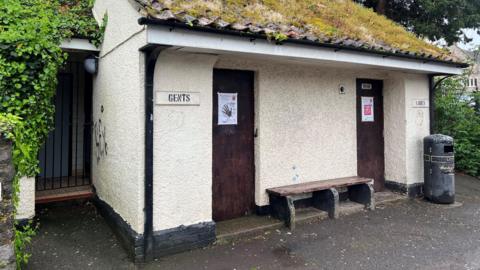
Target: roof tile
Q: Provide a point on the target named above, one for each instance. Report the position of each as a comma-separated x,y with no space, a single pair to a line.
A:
316,25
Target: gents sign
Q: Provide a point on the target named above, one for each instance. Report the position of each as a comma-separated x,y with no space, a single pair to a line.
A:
177,98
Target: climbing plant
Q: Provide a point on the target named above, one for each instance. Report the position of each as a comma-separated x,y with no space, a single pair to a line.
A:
76,20
31,32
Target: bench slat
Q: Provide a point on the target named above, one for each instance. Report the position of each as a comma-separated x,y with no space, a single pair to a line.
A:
303,188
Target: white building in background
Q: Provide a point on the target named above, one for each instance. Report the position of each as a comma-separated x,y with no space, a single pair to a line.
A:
473,81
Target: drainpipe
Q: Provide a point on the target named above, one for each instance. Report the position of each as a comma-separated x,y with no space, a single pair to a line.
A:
151,55
431,99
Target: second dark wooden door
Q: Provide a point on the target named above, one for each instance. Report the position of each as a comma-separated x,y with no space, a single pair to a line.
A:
370,142
233,154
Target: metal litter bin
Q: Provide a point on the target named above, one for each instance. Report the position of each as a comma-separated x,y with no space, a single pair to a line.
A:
439,162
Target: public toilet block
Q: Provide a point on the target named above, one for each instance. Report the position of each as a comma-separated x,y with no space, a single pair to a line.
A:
191,117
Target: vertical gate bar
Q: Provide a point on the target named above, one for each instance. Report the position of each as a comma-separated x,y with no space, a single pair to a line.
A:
84,123
62,89
76,120
70,123
53,141
82,79
45,148
70,128
84,134
87,107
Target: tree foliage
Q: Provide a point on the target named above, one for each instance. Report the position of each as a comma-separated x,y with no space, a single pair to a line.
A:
457,115
433,19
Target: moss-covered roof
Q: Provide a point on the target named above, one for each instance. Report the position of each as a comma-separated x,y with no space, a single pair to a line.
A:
338,22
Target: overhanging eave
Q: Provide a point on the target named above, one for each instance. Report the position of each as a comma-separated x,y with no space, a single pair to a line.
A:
230,44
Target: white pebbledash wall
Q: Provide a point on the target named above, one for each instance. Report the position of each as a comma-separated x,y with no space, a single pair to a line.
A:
417,126
182,139
395,128
405,127
26,203
306,129
118,157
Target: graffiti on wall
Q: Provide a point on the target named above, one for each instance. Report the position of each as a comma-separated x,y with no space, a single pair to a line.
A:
100,132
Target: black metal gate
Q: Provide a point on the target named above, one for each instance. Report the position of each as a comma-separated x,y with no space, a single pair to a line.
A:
65,157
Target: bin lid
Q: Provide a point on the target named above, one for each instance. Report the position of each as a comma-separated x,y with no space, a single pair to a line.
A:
438,139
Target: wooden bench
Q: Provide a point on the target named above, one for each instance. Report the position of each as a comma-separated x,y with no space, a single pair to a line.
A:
324,196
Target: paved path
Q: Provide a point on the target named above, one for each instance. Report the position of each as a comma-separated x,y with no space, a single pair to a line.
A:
410,234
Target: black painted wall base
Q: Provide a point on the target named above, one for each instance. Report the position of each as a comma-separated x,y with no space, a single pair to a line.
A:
130,240
412,191
165,242
262,210
183,238
20,223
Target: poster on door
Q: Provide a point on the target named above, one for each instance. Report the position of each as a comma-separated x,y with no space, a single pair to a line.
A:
367,109
227,108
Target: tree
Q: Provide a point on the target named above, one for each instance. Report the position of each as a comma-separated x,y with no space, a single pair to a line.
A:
456,116
433,19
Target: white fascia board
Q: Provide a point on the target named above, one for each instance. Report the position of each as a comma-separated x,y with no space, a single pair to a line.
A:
78,44
228,44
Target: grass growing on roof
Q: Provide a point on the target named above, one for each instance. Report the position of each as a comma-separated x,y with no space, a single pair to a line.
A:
330,18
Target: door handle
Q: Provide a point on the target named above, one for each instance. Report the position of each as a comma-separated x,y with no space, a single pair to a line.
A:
255,133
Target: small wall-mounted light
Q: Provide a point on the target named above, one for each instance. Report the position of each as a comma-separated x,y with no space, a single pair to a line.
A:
91,64
342,90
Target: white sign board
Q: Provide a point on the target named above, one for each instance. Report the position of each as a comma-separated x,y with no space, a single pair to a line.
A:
177,98
367,109
227,108
420,103
366,86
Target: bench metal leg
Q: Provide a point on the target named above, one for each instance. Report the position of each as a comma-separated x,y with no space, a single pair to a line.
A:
327,200
283,209
363,194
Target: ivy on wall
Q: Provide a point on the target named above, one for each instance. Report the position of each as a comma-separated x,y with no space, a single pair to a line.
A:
77,21
31,32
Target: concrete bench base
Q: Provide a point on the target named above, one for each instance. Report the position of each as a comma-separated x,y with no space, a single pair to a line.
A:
327,200
283,209
363,194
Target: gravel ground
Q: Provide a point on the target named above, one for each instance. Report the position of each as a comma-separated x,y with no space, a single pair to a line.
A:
408,234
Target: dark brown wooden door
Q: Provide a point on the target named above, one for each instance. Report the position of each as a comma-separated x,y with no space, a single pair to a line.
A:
370,143
233,156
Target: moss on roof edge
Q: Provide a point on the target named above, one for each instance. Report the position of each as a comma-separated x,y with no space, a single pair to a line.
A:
297,22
